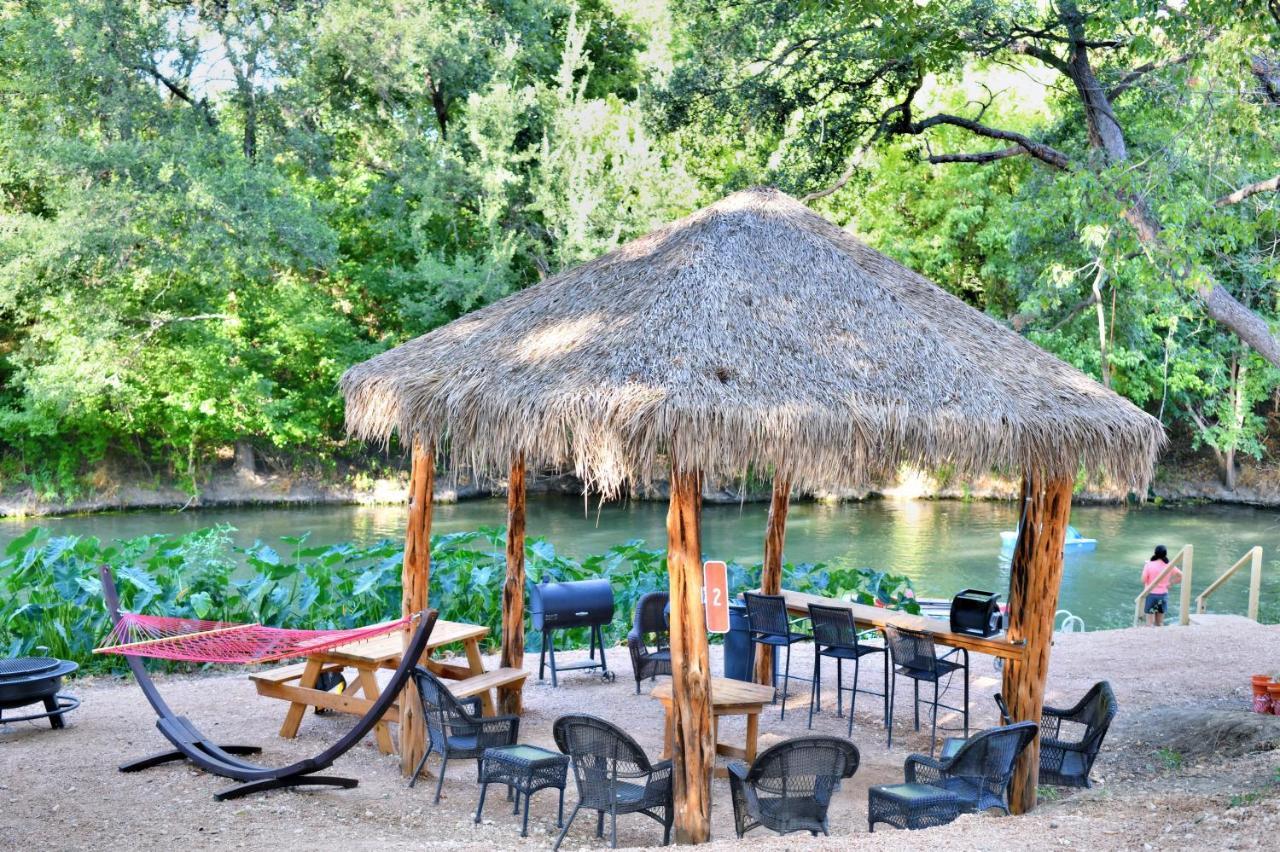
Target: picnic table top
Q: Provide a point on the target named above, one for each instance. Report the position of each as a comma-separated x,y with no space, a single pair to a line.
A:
873,616
387,648
725,692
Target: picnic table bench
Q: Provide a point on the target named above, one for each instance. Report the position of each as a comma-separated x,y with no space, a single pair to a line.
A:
297,683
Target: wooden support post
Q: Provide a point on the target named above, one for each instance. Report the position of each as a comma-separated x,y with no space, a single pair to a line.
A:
694,744
771,575
1035,577
1255,582
510,700
416,581
1184,592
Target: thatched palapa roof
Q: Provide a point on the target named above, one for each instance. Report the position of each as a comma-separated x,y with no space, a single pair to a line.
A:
753,334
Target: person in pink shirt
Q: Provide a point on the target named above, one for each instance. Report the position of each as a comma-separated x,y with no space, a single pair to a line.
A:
1158,597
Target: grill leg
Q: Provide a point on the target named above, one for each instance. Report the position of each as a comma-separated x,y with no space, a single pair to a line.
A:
604,666
55,718
551,640
542,658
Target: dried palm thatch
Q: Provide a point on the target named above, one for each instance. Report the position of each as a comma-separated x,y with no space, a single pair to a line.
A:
753,334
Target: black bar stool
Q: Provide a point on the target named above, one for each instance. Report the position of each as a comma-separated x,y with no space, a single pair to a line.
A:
835,635
913,655
768,623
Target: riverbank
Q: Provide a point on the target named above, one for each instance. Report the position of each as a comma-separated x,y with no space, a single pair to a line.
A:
1184,765
1188,481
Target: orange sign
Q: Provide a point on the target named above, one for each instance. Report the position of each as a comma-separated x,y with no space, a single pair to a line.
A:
715,596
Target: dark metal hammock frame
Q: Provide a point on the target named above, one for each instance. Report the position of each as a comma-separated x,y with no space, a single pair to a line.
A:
190,744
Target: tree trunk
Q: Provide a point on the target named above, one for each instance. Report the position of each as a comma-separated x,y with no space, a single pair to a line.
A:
1035,577
693,749
771,575
510,700
414,595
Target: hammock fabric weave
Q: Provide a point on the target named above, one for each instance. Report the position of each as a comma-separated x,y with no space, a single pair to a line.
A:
198,641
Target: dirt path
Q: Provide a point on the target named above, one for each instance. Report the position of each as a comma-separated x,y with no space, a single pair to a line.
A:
1215,783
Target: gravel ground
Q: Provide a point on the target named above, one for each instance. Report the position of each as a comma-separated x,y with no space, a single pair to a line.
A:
1219,788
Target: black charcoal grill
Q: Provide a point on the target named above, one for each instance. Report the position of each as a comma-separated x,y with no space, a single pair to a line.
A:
559,606
33,680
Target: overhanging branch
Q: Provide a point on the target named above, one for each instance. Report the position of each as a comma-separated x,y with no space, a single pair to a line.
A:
979,156
1269,185
1045,153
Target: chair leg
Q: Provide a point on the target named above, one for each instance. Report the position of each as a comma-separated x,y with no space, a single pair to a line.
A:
840,687
786,683
893,688
933,734
444,761
565,829
421,763
813,684
599,823
853,693
484,788
560,812
916,684
887,713
613,828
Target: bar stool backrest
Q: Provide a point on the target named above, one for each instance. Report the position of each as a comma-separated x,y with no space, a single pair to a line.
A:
767,614
833,627
910,649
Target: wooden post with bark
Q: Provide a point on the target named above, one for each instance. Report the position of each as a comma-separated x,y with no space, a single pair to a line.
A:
1035,578
510,700
771,574
693,747
416,580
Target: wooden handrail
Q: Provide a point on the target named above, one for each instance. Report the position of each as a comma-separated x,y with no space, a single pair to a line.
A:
1254,556
1184,598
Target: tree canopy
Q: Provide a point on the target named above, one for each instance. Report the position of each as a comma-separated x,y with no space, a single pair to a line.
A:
209,209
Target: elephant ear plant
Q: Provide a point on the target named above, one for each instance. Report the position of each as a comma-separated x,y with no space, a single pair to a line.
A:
52,598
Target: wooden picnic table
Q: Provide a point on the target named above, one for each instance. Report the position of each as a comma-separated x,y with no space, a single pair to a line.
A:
383,652
879,617
728,698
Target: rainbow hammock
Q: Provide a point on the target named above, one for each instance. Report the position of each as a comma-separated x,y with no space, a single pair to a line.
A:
196,641
136,636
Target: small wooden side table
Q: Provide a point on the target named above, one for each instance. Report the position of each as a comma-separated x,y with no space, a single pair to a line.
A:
728,698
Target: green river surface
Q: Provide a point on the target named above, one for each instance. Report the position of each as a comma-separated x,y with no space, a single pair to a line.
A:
944,546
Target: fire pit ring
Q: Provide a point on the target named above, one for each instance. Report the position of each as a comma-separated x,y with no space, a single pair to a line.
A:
32,680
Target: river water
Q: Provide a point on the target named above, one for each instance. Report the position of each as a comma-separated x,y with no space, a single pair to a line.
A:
944,546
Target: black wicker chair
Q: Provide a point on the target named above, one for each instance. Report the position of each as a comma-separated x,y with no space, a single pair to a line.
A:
651,619
913,656
1071,739
769,626
981,769
835,635
790,785
455,727
614,775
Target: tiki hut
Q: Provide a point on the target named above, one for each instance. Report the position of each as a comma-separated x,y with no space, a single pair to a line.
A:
751,335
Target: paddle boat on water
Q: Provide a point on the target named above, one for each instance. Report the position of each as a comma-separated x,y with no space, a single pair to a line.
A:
1075,543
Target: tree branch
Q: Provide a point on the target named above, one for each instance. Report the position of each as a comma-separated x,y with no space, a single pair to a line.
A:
1269,185
1039,150
979,156
177,91
1128,81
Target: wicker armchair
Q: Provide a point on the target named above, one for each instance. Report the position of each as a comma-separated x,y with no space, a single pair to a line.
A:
981,769
455,727
1071,739
789,786
651,618
613,775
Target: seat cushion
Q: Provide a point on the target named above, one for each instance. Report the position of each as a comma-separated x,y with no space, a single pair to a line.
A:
909,793
789,639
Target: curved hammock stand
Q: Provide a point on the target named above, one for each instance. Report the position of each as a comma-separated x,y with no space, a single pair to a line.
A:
190,744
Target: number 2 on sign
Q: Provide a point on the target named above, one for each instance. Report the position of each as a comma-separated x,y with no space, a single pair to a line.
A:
715,592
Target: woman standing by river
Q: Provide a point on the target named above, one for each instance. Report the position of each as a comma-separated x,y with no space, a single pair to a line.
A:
1158,597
